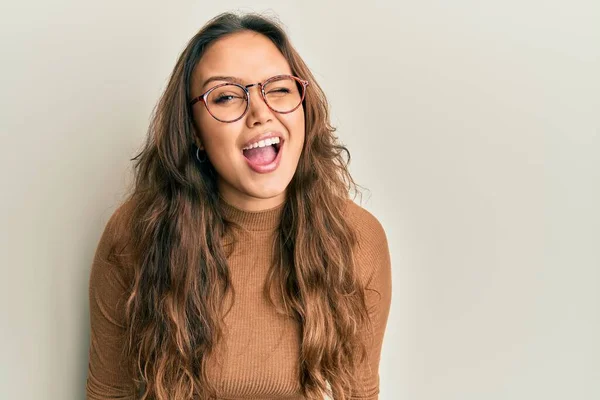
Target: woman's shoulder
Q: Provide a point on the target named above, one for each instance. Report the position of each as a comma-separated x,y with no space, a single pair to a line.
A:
113,251
368,226
118,226
372,251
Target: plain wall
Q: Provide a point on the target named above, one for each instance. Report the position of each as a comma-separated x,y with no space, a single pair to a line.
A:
474,125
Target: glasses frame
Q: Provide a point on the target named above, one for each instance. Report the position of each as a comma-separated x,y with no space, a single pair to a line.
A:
246,88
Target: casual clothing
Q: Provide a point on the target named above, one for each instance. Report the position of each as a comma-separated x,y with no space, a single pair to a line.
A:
260,351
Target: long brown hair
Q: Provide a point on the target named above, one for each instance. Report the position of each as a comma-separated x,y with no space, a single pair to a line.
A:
180,271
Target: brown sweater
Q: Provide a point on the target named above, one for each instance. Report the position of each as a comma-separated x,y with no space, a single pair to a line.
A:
261,350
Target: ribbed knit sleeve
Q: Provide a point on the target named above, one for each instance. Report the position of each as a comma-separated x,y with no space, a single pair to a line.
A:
107,378
374,262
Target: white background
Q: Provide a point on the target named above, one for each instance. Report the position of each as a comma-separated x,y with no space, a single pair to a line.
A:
474,124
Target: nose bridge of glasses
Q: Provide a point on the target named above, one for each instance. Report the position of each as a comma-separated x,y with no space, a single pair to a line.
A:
259,90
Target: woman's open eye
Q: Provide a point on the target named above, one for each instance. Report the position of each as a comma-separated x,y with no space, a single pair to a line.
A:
223,99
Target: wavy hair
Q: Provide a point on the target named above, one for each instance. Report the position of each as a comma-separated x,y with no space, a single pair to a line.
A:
176,230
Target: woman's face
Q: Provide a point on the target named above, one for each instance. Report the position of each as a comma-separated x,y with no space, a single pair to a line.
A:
252,58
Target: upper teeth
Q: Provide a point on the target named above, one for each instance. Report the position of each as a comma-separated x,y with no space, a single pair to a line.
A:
262,143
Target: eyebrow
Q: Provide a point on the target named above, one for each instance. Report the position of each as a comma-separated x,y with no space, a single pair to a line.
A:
222,78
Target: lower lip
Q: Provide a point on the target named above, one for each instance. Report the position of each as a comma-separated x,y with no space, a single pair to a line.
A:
263,169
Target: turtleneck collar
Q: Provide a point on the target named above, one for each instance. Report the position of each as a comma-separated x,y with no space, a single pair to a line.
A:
263,220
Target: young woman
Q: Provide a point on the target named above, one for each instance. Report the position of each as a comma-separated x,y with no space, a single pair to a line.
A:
238,267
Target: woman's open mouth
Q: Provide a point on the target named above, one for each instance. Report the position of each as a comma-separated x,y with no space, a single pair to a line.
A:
264,159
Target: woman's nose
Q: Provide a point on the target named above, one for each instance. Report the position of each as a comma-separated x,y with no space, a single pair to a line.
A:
258,109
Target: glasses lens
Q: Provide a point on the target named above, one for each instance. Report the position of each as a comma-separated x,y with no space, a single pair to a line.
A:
227,102
284,94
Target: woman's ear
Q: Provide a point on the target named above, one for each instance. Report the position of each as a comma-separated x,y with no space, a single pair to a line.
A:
197,140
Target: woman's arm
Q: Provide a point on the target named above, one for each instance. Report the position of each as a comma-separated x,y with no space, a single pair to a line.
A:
375,257
107,377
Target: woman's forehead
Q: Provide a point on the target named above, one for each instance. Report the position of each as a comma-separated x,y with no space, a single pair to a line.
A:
251,57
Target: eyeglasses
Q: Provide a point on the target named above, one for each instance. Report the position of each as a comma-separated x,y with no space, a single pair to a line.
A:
229,102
